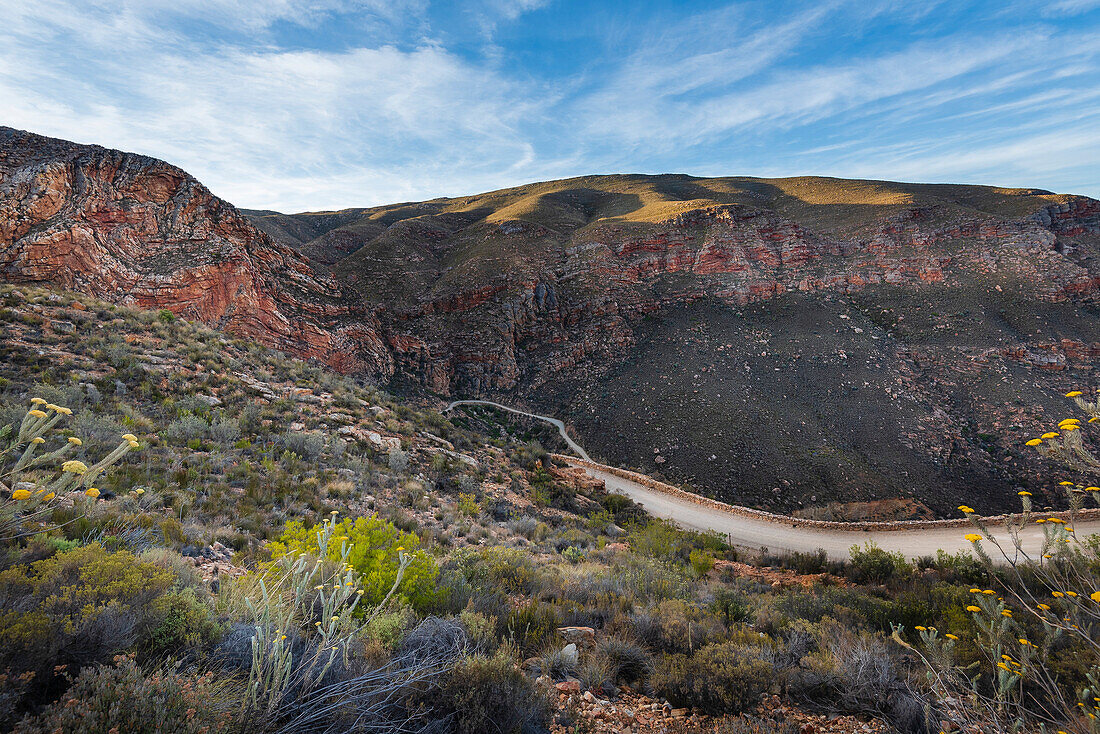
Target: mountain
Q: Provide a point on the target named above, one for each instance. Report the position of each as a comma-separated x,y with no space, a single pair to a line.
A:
786,343
136,230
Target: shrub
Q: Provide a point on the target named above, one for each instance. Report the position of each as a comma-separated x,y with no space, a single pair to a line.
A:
490,694
306,445
180,619
628,662
731,606
871,564
718,679
375,548
123,698
531,625
497,567
701,563
76,607
185,429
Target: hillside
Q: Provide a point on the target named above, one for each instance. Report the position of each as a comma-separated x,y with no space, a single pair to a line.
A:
786,343
527,596
783,343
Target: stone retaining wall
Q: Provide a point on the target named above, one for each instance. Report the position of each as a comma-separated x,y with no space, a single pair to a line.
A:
748,512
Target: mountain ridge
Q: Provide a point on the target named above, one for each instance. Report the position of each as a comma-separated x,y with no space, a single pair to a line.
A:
897,325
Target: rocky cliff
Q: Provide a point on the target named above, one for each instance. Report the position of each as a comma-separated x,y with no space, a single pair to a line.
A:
784,342
138,231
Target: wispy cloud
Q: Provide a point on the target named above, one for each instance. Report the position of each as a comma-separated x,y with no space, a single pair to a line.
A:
327,103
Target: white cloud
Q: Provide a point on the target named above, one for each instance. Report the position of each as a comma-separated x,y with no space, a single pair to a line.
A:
394,114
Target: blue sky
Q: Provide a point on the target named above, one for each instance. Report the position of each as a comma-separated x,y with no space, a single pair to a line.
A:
317,104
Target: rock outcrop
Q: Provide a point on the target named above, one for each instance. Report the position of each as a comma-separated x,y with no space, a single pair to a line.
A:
138,231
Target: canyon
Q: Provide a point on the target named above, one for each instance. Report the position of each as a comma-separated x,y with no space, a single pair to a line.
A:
791,344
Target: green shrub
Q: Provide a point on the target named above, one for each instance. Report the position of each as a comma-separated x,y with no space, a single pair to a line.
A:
180,619
125,699
531,625
76,607
718,679
490,694
498,568
871,564
375,550
701,563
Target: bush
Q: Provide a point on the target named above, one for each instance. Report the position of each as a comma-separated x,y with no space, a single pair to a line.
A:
871,564
701,563
490,694
185,429
375,550
306,445
77,607
180,619
498,568
124,699
531,625
628,662
718,679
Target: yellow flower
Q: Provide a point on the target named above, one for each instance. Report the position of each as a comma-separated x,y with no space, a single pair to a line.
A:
973,537
59,409
50,496
1050,434
37,413
966,509
1070,427
1094,419
973,608
1046,607
951,636
1056,520
134,444
74,467
1092,489
92,492
1066,484
1006,612
20,494
1025,493
975,591
75,441
922,629
129,437
989,592
1034,442
1073,393
1095,596
400,548
38,401
1040,521
1023,642
139,491
1068,421
38,439
1057,594
1071,593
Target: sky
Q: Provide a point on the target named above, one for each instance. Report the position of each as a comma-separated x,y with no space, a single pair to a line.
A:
300,105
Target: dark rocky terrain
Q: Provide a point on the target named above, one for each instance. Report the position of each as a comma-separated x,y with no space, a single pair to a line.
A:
782,343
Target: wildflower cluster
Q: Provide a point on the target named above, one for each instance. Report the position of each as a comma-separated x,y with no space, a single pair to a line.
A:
34,474
306,612
1049,599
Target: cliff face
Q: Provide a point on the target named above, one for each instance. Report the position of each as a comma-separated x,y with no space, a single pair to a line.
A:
136,230
784,342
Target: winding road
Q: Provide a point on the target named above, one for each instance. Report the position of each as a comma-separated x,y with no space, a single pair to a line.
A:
554,421
912,539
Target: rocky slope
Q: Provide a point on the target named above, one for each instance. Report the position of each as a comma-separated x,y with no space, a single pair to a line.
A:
139,231
785,343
